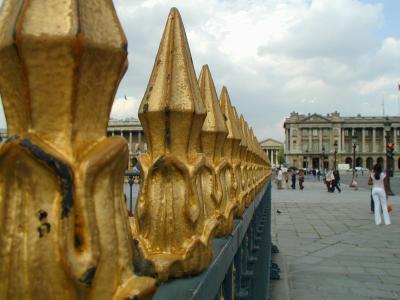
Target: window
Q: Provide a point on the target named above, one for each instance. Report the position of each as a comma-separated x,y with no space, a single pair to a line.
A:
336,132
304,132
326,146
315,132
325,132
294,132
305,147
315,147
366,132
294,145
346,132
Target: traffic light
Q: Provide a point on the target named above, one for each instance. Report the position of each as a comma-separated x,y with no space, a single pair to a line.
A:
389,150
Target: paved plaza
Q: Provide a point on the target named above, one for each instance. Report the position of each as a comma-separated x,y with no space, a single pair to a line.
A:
331,249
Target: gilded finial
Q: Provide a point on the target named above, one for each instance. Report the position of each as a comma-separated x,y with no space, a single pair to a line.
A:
216,187
173,88
66,235
171,231
214,130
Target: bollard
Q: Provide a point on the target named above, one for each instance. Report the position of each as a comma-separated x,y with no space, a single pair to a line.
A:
66,234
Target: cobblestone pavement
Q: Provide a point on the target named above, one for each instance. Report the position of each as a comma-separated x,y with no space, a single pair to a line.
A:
331,248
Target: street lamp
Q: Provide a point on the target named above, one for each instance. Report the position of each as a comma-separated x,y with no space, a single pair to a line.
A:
305,158
389,157
323,158
353,180
335,145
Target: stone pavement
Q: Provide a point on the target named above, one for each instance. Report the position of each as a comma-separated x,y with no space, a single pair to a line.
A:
330,247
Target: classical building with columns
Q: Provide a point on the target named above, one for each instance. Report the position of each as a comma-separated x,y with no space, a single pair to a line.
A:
271,148
310,140
132,131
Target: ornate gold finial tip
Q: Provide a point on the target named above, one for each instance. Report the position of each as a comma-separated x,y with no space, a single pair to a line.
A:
172,90
214,121
227,109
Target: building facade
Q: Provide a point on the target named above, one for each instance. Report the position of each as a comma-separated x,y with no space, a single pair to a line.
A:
310,140
132,131
271,148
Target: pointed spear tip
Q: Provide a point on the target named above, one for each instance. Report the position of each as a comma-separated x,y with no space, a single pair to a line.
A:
174,11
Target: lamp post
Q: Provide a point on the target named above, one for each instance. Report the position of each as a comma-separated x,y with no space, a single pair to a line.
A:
335,145
305,159
389,158
353,180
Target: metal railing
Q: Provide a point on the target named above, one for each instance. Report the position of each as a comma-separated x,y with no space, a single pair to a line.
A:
242,261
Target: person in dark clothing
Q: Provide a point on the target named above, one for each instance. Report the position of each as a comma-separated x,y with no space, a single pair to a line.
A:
335,181
301,180
293,179
372,203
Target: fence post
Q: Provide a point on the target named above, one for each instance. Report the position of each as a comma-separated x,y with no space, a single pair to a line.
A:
172,234
66,234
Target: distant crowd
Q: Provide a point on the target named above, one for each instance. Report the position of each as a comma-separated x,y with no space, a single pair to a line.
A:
284,176
377,179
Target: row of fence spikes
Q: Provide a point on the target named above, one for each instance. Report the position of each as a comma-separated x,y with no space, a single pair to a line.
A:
204,165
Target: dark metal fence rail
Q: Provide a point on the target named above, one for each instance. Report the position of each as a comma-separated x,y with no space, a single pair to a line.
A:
241,264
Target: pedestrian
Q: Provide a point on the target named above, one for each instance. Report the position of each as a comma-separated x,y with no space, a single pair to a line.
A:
293,179
328,181
314,173
286,175
318,175
371,198
279,178
378,181
335,181
301,180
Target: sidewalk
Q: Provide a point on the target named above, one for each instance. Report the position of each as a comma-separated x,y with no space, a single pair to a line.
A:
330,247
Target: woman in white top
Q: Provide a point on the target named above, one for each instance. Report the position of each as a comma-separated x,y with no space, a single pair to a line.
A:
378,180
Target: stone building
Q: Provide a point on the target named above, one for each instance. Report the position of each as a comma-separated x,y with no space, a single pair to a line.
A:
271,148
132,131
310,140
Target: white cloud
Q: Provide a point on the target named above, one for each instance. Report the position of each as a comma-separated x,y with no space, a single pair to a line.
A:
274,56
125,108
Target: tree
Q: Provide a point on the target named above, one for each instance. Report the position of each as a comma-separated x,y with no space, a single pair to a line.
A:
281,158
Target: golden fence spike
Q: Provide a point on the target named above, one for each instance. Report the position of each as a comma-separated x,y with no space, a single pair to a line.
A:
245,166
239,166
171,232
214,130
67,231
231,147
217,197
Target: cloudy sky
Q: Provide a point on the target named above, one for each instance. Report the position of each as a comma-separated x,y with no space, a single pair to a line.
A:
275,56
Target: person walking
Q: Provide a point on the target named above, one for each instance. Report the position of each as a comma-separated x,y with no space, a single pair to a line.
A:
286,176
301,180
328,181
335,181
293,179
379,194
279,178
